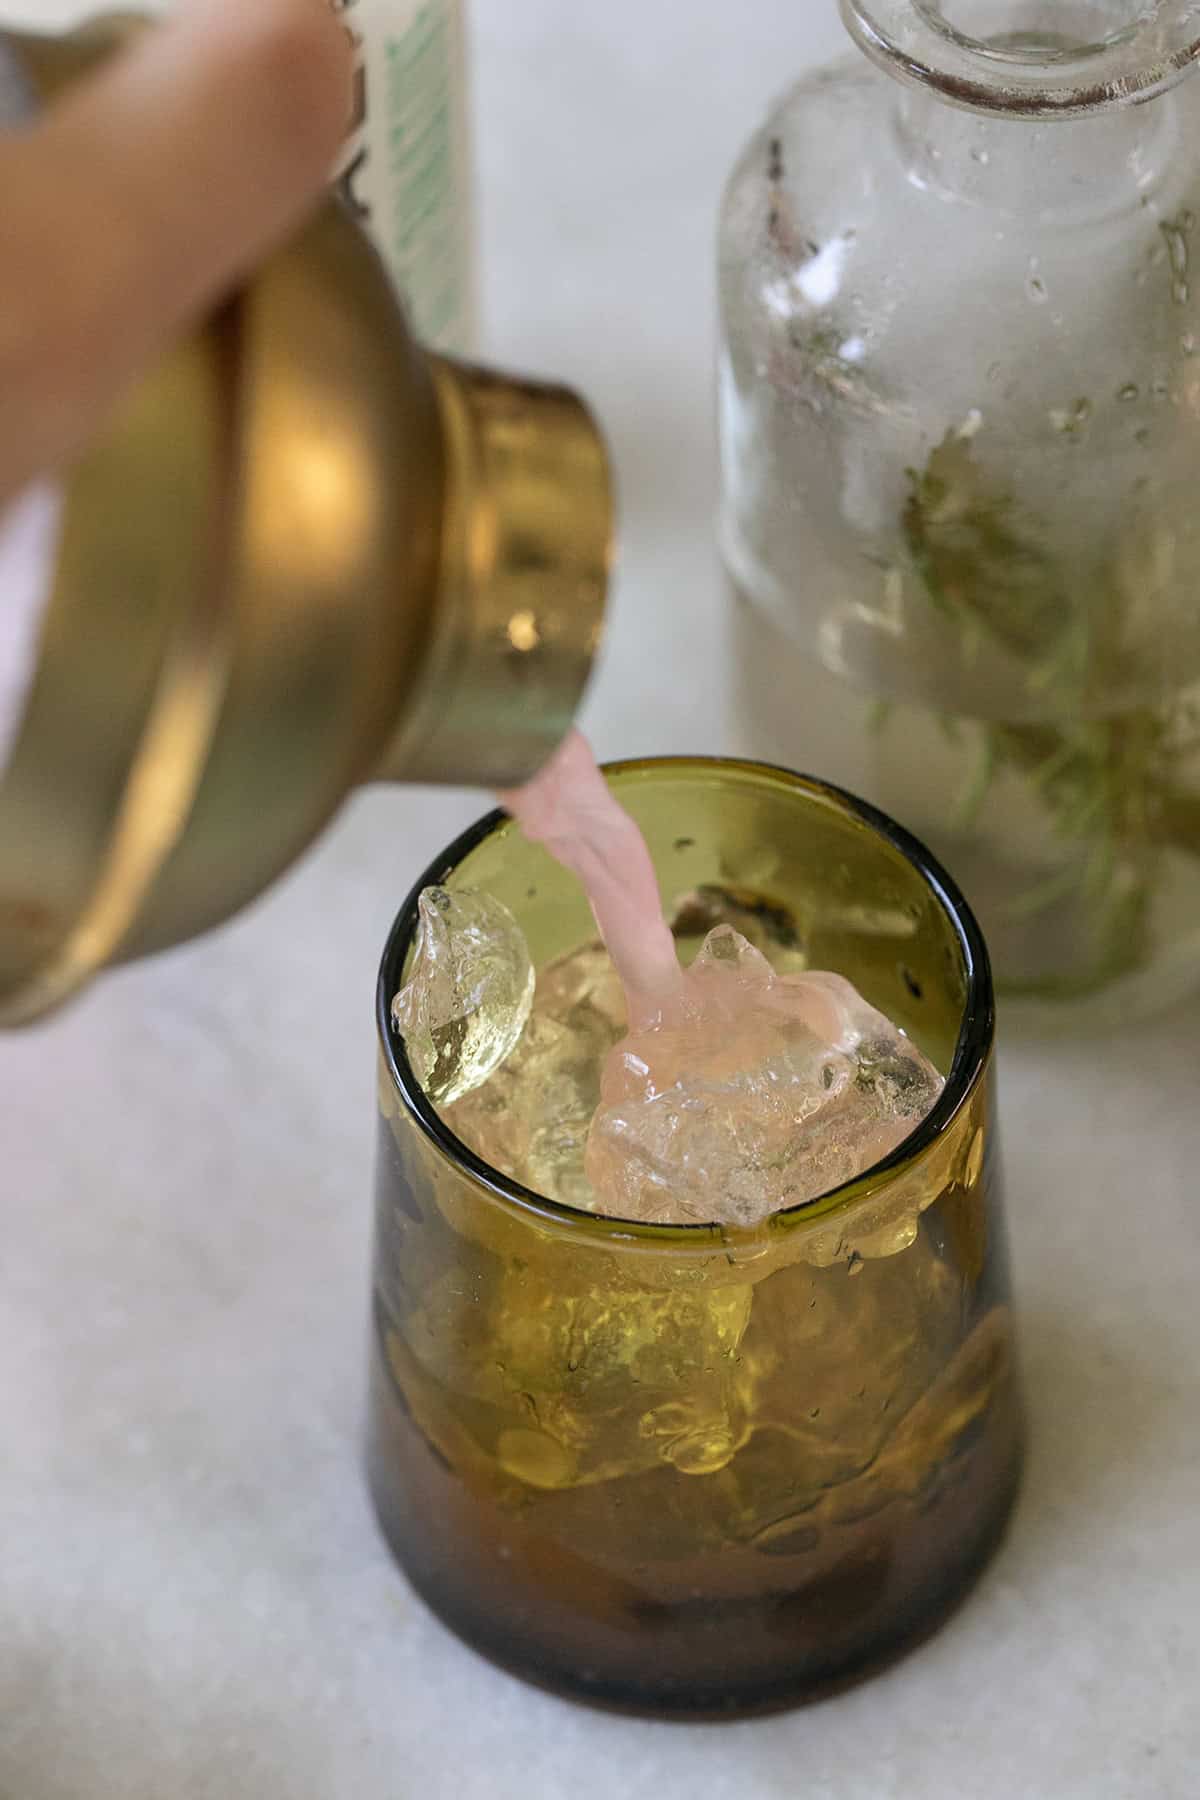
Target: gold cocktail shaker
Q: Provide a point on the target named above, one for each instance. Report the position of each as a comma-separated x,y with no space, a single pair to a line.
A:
306,555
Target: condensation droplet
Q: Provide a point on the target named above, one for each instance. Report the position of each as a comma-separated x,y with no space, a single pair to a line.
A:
1129,392
534,1458
1069,422
890,1239
701,1452
974,1166
1174,233
787,1537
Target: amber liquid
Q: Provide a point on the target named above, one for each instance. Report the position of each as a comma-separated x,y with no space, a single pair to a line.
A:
698,1495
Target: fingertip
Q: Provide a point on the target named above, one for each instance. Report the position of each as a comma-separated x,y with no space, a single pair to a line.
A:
309,70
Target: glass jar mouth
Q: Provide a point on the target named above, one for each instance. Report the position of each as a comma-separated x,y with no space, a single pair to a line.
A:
969,1062
971,57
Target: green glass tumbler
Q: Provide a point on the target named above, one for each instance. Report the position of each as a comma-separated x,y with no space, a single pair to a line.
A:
685,1470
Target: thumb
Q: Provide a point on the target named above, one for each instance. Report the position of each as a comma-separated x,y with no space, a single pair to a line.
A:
144,194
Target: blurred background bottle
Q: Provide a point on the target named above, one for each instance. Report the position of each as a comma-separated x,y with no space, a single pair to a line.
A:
405,171
960,424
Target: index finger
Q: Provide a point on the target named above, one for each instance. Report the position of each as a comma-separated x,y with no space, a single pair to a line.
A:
142,196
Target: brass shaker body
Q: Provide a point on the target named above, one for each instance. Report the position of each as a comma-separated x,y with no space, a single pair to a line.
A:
305,555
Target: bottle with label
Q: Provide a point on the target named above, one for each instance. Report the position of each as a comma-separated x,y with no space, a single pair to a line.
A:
405,171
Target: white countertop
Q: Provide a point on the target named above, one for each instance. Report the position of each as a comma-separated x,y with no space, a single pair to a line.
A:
194,1602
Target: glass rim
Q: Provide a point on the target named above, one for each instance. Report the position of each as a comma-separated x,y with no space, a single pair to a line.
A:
973,1047
913,40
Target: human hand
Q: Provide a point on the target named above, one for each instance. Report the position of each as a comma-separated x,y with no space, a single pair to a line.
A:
133,204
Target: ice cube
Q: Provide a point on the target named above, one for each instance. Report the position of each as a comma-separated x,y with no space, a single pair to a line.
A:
770,925
752,1093
567,1381
469,992
532,1118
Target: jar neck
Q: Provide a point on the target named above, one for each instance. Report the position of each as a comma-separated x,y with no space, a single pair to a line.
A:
1031,58
1061,168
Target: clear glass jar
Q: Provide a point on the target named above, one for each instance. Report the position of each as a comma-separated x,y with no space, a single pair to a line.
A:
960,435
682,1470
